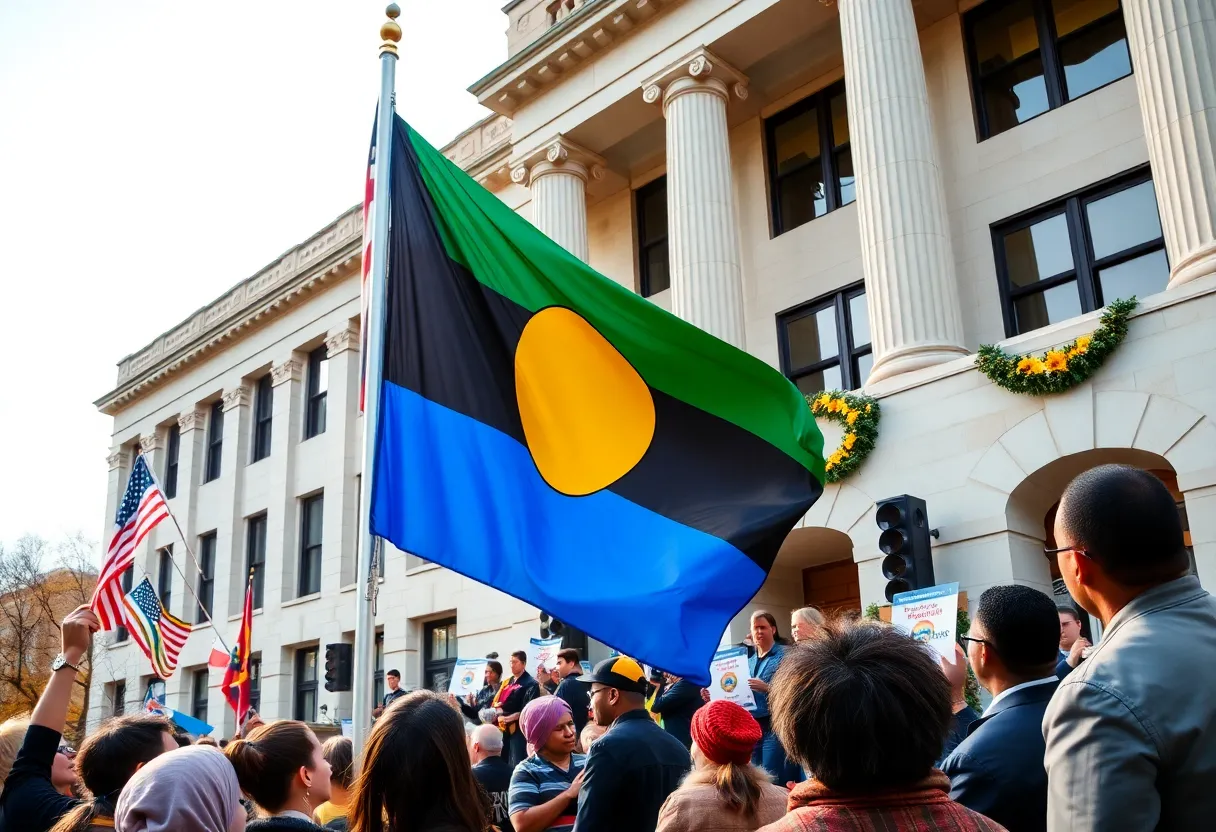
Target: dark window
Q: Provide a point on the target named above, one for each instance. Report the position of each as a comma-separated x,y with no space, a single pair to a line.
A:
198,694
810,165
311,509
255,683
171,456
263,411
652,237
206,578
1031,56
164,576
1080,253
255,556
440,654
378,673
215,442
825,344
120,698
305,706
318,391
120,632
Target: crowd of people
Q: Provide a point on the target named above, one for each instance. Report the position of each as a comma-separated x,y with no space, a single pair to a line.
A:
856,726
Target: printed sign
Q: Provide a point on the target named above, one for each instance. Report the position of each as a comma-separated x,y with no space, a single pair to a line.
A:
586,668
348,728
543,651
467,677
728,677
930,615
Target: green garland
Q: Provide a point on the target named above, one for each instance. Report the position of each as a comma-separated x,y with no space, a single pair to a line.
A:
1064,367
971,688
859,416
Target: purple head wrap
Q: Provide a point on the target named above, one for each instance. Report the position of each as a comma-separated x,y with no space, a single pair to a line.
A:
539,717
193,789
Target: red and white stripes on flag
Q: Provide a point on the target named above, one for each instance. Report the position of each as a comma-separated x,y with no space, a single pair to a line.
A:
142,507
369,221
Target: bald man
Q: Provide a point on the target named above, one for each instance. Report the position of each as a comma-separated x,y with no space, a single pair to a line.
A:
492,771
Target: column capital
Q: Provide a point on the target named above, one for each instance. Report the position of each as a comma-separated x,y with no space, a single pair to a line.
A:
116,459
558,155
341,340
236,397
148,444
698,71
290,370
193,420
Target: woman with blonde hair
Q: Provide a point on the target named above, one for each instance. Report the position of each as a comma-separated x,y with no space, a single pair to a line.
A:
725,792
12,733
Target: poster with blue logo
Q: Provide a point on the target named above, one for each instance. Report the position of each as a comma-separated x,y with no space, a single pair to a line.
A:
728,677
930,615
467,677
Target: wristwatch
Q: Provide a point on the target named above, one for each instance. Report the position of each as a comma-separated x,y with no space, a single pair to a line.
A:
60,662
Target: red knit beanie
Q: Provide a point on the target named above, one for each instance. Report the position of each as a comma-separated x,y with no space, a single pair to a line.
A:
725,732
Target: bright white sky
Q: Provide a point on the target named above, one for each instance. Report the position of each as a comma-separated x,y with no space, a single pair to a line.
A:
153,154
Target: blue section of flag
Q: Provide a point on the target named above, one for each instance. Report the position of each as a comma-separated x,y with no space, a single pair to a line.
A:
470,498
186,722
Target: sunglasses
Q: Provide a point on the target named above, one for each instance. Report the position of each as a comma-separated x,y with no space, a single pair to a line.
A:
976,640
1050,554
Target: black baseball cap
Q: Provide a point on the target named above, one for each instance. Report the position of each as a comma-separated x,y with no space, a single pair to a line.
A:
620,672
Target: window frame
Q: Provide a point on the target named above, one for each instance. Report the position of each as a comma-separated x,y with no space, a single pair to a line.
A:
198,693
164,574
257,567
173,448
263,419
430,664
255,682
316,401
1054,79
305,582
1085,266
821,101
378,668
848,354
302,686
213,465
205,584
118,698
640,196
121,633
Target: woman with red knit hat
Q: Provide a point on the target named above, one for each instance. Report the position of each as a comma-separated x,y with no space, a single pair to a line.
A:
724,792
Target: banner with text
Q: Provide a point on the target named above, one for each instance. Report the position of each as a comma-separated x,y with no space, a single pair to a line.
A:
930,615
543,651
728,677
467,677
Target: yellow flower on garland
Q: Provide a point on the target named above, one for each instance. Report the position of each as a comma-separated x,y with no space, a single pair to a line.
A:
1031,365
852,417
823,400
849,441
1057,362
1083,344
835,404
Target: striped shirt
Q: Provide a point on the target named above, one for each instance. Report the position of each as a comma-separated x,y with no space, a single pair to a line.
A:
536,781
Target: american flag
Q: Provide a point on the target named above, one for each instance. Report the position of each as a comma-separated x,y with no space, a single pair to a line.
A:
142,507
157,633
369,220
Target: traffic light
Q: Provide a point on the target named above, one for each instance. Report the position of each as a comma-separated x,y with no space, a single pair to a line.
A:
338,667
905,542
550,626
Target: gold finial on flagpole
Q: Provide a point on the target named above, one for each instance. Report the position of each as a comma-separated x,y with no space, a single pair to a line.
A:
390,32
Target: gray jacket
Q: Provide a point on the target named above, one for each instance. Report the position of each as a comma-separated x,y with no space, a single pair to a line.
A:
1131,733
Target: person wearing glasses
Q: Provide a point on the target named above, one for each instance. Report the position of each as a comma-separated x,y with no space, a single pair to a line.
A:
1129,733
998,769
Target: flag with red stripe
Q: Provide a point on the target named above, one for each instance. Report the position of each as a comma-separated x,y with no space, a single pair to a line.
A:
160,635
142,507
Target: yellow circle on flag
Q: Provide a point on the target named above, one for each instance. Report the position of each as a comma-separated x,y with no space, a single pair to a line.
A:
588,417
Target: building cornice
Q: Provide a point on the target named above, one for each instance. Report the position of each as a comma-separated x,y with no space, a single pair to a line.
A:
594,27
328,256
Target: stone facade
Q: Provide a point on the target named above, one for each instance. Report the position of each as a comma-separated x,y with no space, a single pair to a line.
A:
601,97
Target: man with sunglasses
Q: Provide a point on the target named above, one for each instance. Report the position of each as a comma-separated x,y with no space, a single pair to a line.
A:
1129,733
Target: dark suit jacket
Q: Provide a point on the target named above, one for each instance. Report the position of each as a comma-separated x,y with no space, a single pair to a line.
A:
998,770
676,705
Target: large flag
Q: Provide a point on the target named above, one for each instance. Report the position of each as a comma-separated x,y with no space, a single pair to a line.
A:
236,677
548,432
159,634
142,507
369,221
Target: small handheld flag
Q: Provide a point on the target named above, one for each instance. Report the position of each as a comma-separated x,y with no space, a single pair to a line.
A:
159,634
155,705
142,507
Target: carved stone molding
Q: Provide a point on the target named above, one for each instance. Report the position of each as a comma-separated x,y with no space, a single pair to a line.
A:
148,444
342,340
558,155
117,459
193,420
290,370
698,71
236,397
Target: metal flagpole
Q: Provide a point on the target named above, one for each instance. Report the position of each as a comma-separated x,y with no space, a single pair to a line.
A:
365,624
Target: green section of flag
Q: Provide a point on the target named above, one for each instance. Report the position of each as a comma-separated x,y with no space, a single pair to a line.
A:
508,254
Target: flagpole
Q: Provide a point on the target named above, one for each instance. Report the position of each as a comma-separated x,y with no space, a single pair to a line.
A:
365,624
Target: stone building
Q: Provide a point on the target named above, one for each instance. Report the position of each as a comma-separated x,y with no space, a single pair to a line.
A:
859,192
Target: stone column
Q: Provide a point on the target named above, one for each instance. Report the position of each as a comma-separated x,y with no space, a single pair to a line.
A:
282,518
191,456
340,525
901,204
229,595
702,229
1173,46
557,175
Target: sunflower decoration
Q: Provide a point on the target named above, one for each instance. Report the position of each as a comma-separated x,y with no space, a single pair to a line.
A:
1063,367
858,415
